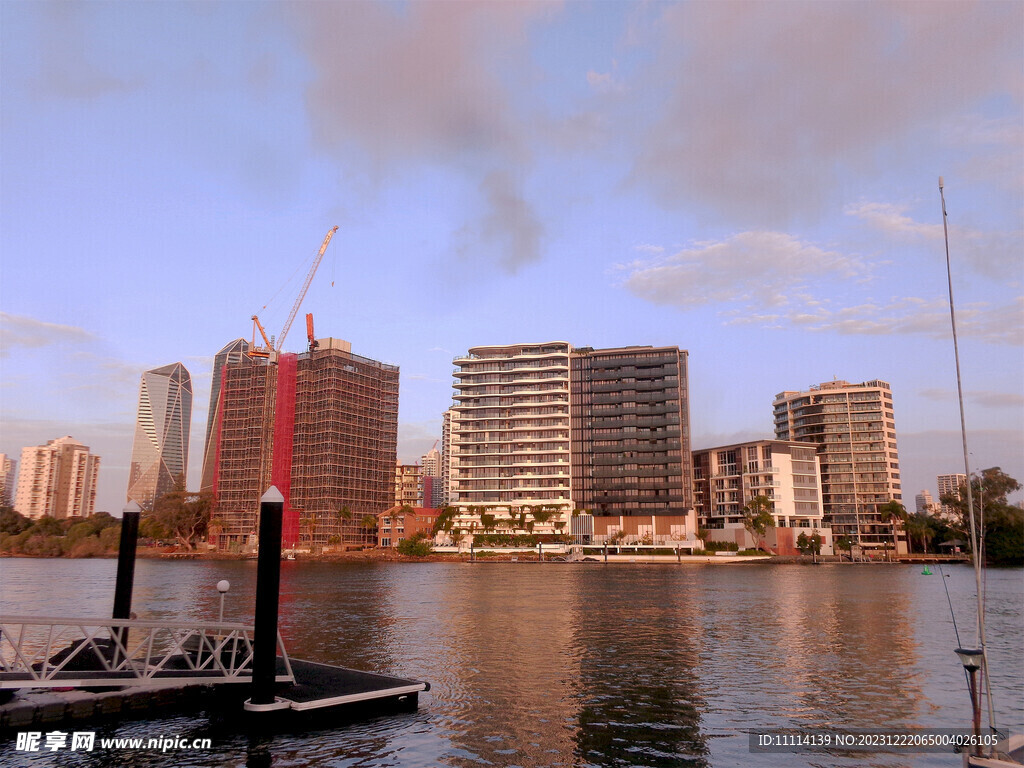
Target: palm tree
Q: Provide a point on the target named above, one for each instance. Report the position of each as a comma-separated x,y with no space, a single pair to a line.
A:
890,513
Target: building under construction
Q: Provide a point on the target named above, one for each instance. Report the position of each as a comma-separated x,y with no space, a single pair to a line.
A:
322,426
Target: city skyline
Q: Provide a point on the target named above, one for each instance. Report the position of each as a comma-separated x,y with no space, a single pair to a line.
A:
608,174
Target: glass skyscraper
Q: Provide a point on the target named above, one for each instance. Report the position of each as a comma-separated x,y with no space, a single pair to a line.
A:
160,447
234,352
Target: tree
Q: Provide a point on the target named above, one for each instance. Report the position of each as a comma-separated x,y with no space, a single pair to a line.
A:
1003,522
757,517
12,522
445,520
921,527
890,513
185,514
844,542
342,515
415,546
310,521
809,545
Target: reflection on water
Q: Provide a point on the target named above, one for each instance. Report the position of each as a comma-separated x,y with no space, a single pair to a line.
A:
639,649
577,665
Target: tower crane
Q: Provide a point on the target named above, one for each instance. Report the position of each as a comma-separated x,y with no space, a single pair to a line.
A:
305,287
269,347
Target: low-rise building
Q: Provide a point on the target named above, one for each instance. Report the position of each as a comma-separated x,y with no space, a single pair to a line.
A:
669,531
404,522
787,473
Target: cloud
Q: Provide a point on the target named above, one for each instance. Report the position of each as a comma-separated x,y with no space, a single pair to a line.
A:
892,220
769,105
509,228
993,254
605,82
760,268
69,69
764,278
21,331
997,399
909,315
426,85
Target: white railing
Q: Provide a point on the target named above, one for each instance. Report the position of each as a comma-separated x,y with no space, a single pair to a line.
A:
38,652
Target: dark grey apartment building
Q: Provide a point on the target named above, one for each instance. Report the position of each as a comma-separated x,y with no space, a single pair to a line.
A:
630,431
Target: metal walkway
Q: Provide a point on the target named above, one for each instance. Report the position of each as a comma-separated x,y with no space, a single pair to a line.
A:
61,652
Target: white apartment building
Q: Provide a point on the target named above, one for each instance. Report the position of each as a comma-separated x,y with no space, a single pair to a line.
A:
788,473
57,480
949,485
510,436
855,430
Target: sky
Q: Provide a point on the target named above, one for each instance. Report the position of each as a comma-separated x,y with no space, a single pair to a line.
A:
756,183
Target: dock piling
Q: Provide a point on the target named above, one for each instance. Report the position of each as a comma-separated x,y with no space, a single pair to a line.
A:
125,580
268,585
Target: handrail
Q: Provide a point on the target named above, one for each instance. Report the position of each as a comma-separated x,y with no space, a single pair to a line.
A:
56,651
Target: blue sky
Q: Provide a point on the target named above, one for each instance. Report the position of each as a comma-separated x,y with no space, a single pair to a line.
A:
755,182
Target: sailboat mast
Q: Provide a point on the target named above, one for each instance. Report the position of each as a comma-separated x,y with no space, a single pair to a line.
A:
975,553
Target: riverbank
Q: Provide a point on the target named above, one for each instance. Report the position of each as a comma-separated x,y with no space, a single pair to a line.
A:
491,556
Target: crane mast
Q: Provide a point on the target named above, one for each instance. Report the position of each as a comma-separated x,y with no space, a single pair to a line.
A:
305,287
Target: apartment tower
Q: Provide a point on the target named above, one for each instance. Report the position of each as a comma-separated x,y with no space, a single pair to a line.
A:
949,485
8,478
322,427
855,431
540,431
510,435
630,431
57,480
160,447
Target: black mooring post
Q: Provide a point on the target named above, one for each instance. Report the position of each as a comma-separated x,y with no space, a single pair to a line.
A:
268,584
125,579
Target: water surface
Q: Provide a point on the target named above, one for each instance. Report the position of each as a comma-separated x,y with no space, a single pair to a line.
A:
580,664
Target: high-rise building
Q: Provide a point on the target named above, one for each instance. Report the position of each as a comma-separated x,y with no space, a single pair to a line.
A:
408,485
432,487
431,463
160,447
949,485
322,427
510,435
446,457
855,430
728,477
630,431
924,504
8,476
230,353
57,480
541,430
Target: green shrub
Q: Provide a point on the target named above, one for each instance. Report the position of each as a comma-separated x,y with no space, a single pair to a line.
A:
721,546
416,546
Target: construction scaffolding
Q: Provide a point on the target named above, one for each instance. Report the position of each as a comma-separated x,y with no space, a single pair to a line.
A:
341,411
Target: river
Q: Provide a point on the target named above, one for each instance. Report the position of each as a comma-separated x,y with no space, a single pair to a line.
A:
579,664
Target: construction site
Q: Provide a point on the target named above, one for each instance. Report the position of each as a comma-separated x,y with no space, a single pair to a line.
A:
321,426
